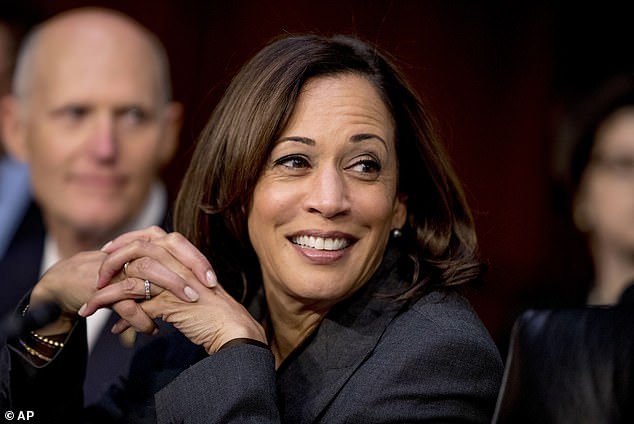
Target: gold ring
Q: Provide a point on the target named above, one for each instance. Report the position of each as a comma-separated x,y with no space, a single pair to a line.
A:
147,286
125,269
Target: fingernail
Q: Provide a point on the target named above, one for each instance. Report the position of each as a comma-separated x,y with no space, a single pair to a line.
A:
212,281
106,245
81,310
191,293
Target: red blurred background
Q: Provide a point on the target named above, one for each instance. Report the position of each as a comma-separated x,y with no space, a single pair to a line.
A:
497,75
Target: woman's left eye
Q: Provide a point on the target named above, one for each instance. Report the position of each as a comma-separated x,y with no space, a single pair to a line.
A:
366,166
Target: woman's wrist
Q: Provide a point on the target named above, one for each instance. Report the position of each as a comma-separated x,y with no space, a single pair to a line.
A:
242,341
253,336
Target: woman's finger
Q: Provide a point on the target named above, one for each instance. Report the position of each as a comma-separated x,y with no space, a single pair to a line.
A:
132,289
183,250
175,243
132,313
158,265
148,234
122,325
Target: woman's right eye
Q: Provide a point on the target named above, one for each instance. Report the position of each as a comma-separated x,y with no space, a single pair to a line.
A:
292,162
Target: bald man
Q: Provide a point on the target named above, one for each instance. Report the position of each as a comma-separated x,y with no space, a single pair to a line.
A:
91,115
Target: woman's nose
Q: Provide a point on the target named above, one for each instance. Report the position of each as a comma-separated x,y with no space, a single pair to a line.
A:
328,193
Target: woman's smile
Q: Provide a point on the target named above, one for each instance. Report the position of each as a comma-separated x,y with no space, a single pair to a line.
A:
322,248
321,243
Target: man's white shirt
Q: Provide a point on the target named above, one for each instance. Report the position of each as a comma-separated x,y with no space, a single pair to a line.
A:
152,213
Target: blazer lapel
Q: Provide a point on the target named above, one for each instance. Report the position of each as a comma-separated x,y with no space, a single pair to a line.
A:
310,379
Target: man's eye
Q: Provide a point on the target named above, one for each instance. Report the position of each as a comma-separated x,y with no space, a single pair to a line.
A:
74,112
134,115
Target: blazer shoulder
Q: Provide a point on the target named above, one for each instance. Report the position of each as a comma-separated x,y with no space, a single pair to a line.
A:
443,325
448,312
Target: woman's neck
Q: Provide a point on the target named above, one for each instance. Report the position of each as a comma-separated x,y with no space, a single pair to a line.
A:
614,271
290,325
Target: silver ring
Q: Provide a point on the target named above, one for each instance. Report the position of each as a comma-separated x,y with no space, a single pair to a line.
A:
125,269
147,286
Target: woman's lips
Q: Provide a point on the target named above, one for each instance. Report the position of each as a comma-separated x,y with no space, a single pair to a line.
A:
322,249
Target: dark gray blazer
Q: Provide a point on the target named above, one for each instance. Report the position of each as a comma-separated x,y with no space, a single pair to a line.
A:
371,360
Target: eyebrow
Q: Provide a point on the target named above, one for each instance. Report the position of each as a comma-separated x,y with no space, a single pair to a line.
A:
355,139
303,140
366,136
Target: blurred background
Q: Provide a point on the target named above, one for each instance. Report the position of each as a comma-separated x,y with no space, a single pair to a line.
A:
497,75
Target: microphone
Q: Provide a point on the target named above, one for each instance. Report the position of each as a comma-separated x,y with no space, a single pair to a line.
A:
37,316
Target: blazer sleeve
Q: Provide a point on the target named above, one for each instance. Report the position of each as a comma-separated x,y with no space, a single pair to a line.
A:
54,390
234,385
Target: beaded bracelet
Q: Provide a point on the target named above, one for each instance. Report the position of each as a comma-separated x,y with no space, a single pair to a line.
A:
52,343
34,352
47,345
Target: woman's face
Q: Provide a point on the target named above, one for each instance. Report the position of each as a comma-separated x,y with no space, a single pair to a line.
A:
326,201
605,203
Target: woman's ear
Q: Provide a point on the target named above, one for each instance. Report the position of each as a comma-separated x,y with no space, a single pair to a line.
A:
399,211
581,215
12,132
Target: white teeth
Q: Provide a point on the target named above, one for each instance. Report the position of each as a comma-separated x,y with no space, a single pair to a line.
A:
321,243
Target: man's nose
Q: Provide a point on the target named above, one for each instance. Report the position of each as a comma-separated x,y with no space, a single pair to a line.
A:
102,141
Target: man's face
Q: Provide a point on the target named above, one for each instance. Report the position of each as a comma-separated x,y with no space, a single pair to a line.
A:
96,131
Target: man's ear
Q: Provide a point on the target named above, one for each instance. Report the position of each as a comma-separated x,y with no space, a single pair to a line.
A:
13,135
171,134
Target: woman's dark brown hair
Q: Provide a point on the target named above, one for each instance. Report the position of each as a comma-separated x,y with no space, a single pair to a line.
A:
213,203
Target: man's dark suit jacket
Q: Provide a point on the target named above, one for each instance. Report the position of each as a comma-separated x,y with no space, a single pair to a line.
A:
372,359
19,272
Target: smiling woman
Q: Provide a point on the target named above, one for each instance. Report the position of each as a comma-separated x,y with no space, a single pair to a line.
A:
331,180
319,196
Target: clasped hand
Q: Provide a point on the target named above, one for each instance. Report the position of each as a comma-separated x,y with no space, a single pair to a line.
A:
184,290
